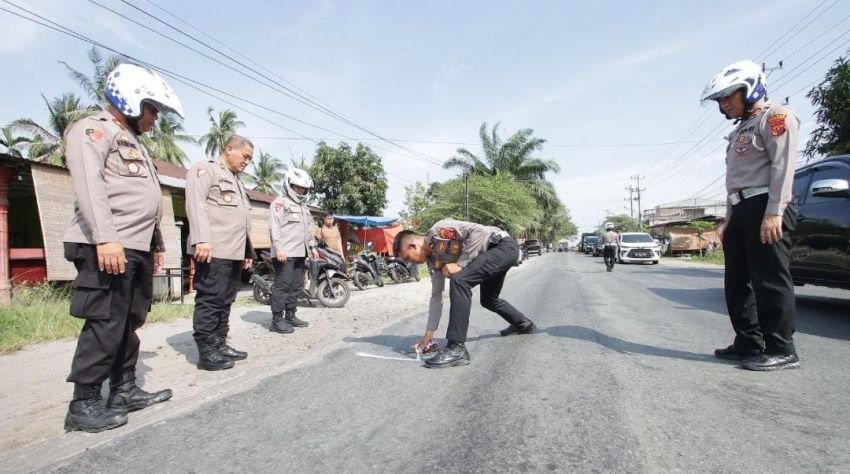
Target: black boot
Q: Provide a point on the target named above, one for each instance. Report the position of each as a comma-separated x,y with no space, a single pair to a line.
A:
453,354
228,351
209,357
279,324
525,327
124,394
87,411
293,320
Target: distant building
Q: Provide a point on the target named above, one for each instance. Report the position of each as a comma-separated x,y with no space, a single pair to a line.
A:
669,223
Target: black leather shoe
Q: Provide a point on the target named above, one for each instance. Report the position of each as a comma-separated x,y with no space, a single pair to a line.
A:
734,353
453,354
209,357
293,320
228,351
281,325
124,394
526,327
767,362
88,412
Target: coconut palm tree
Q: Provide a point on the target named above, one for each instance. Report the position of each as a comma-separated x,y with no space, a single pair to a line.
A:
163,141
266,173
46,142
95,86
220,130
512,156
13,143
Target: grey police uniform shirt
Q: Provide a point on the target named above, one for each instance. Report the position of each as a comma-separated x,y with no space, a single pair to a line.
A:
291,227
762,151
609,238
452,241
118,197
219,211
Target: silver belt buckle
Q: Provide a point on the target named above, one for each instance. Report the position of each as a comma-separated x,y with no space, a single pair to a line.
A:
734,199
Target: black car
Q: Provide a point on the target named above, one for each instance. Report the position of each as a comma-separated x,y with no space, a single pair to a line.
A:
533,247
590,244
820,254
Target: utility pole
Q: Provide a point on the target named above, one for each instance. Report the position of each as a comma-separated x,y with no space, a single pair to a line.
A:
466,194
631,200
637,190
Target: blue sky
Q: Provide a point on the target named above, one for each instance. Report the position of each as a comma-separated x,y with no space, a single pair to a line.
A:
606,82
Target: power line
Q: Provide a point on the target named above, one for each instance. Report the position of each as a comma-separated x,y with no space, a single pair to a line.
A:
785,77
790,37
763,53
820,35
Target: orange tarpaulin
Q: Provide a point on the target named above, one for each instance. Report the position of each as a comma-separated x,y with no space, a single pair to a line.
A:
381,238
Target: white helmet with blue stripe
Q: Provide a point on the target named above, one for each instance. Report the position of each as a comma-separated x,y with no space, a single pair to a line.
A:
745,75
129,87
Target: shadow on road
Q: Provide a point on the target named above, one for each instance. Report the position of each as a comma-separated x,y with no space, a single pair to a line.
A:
399,344
626,347
260,318
686,272
706,299
824,317
184,344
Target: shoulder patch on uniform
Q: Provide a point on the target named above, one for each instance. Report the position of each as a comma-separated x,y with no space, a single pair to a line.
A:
777,125
278,206
446,233
201,171
95,134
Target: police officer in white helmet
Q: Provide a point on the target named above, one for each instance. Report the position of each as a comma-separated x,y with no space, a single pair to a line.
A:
115,244
292,243
760,217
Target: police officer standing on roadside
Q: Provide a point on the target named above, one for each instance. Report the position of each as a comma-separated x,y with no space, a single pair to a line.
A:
292,242
115,244
609,246
760,217
469,254
219,214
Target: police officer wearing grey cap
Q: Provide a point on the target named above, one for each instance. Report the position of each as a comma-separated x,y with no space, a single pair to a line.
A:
469,254
115,244
760,217
219,212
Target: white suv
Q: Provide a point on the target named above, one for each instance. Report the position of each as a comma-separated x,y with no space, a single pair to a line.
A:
638,247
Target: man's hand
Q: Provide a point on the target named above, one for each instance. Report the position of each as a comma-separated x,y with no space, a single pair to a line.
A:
315,254
158,261
771,229
247,263
423,343
203,252
110,258
721,229
281,256
450,269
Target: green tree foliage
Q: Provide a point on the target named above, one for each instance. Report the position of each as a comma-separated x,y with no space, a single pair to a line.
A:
832,99
163,141
95,85
416,202
46,142
13,143
266,173
220,130
622,223
349,181
493,200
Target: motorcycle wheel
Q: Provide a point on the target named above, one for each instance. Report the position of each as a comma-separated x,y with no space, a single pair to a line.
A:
333,293
415,272
379,282
261,296
359,279
394,276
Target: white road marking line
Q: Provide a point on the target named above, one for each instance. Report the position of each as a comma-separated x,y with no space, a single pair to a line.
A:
375,356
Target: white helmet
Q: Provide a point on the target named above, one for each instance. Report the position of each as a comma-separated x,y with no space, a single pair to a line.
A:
296,177
609,226
745,75
129,86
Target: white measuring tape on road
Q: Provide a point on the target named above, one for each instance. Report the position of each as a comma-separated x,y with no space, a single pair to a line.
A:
375,356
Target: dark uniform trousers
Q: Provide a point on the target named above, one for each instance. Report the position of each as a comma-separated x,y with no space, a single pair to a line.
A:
488,270
114,307
609,253
759,288
288,282
216,284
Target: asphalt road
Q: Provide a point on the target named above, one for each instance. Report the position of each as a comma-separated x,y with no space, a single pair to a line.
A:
620,379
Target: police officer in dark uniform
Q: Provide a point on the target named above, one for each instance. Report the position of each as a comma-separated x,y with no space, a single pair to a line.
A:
469,254
116,245
760,217
219,213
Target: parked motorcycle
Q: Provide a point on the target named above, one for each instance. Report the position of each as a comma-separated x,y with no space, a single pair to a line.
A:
327,283
365,270
401,271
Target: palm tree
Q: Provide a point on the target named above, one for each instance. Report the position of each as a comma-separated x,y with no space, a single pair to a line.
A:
95,86
220,130
163,141
512,156
267,173
47,143
11,142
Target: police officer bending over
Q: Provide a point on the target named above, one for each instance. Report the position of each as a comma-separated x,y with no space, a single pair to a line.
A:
469,254
219,214
116,245
760,217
